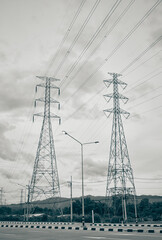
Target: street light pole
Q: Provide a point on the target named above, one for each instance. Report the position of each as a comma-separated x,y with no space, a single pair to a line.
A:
82,144
71,199
83,220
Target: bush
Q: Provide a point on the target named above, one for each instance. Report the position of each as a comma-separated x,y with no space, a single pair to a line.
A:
115,219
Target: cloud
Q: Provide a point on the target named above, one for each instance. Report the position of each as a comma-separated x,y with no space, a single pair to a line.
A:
93,168
17,95
6,147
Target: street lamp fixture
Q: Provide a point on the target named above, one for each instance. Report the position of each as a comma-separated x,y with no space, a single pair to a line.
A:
82,144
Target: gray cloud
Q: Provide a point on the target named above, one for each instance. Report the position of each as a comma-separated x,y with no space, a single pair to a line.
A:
93,168
17,95
6,147
26,45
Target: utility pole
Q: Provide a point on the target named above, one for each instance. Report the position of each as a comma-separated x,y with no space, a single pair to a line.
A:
21,196
120,180
45,181
71,200
1,196
92,216
25,206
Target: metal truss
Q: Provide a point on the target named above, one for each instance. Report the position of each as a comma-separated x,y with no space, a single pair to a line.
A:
45,181
120,180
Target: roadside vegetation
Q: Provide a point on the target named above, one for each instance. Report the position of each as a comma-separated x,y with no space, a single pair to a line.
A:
146,212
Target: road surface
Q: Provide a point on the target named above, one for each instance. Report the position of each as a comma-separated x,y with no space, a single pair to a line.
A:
51,234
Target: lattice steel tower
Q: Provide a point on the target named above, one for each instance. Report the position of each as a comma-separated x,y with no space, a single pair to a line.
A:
120,180
45,181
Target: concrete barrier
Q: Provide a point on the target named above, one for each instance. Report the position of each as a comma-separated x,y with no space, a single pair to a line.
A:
93,229
110,229
65,226
140,230
102,229
129,230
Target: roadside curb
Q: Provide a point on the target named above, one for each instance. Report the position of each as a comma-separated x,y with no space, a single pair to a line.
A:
76,228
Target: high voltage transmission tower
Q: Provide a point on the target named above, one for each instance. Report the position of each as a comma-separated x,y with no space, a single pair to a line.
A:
120,180
45,181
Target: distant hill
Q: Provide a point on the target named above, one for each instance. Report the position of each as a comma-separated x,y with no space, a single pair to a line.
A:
152,198
65,202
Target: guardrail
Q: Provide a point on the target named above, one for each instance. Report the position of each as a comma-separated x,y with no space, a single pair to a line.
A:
95,224
59,226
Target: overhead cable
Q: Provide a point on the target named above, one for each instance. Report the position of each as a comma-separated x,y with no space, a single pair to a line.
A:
77,36
66,35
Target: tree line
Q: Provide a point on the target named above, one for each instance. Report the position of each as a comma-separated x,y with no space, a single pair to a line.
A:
146,212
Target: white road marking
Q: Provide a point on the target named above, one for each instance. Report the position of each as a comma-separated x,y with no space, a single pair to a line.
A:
95,237
109,238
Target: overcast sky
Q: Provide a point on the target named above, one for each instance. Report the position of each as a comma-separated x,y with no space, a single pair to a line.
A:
30,35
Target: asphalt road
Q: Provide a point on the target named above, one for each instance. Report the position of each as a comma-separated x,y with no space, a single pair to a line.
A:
50,234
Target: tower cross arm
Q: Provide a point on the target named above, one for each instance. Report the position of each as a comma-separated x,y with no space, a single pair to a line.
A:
121,83
125,99
52,115
52,79
43,100
37,115
108,82
108,97
44,85
125,113
120,96
115,74
53,86
108,112
119,111
39,85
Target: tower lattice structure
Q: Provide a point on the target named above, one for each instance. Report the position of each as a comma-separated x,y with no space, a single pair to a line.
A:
120,180
45,181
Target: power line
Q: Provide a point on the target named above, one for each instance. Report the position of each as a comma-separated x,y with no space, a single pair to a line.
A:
77,36
147,93
153,109
66,35
141,54
92,97
119,45
141,64
148,74
103,23
146,101
144,81
125,39
103,39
